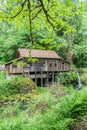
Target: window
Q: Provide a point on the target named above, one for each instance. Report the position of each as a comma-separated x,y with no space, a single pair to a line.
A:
14,66
43,64
40,64
50,65
25,69
29,64
55,65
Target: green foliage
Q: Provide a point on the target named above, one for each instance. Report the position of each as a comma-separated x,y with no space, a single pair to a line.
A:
84,77
2,75
41,89
80,46
10,111
10,40
16,85
64,9
63,114
68,78
58,114
80,54
15,32
30,59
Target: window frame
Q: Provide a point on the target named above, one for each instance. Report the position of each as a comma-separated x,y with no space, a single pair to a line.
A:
14,66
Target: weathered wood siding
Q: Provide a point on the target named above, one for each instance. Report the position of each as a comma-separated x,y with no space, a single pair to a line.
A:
14,68
43,65
63,66
52,65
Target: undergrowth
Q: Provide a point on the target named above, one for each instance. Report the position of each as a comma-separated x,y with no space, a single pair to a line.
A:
46,111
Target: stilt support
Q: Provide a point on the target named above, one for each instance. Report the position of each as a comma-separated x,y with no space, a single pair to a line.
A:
41,78
53,77
35,77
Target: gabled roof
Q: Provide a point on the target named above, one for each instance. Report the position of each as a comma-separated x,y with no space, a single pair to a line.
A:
22,52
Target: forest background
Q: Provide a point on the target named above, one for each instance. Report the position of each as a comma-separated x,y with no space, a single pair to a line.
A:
49,24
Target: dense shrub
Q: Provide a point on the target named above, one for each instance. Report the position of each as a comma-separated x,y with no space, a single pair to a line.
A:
2,75
59,117
16,85
84,77
68,78
63,114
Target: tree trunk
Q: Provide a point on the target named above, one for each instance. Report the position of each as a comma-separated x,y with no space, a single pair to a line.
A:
69,53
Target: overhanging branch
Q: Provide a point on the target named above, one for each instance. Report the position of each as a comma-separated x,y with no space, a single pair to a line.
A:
36,14
22,6
46,14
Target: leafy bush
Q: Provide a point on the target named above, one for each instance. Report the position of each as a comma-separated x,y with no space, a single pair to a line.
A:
14,124
63,114
84,77
2,75
16,85
68,78
41,89
10,111
60,116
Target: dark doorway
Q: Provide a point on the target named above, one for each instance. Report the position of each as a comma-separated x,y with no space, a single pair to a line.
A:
38,81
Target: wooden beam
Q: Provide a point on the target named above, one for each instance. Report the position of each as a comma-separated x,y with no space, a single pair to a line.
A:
41,78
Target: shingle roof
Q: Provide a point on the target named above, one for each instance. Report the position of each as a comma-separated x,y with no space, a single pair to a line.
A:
22,52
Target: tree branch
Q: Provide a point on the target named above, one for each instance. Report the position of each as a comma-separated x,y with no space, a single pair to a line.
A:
46,14
30,22
22,6
36,14
36,7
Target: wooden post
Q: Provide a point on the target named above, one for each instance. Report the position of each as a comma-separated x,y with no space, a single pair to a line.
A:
58,82
35,77
47,77
41,78
29,75
45,82
53,77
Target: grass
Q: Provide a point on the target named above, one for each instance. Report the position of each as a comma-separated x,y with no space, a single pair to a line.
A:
41,89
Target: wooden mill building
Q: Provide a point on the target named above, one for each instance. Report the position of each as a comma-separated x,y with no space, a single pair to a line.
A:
42,67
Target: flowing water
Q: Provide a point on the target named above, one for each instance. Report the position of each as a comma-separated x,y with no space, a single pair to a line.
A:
79,82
